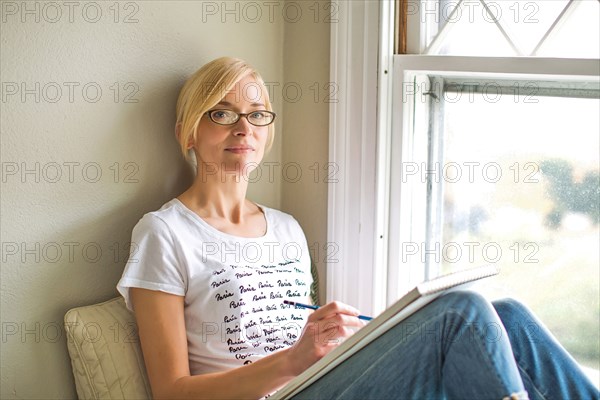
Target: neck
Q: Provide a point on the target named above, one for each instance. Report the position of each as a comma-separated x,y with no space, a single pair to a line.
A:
218,196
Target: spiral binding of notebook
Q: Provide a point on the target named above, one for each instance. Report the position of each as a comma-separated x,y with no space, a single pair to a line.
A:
456,278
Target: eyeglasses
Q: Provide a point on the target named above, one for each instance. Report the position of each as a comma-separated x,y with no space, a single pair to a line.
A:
230,117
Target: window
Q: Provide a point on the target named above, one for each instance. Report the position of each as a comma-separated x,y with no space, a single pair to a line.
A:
494,155
399,114
545,28
530,204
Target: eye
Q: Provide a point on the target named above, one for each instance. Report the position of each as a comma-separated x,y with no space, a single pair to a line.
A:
258,115
219,114
223,116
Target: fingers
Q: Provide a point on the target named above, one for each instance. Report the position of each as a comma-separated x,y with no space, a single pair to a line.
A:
334,321
331,309
343,320
325,329
329,331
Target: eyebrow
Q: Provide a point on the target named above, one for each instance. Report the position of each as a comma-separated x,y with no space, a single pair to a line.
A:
226,103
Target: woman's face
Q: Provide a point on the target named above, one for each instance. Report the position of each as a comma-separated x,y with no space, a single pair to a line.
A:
233,149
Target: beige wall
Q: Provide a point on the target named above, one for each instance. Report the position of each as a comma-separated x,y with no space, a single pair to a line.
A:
306,127
80,167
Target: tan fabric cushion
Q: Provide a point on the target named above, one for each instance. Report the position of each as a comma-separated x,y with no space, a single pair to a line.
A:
105,352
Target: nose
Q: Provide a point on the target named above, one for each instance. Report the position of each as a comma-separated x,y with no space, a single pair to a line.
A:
243,126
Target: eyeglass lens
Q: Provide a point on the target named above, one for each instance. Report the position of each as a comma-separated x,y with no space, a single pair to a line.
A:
228,117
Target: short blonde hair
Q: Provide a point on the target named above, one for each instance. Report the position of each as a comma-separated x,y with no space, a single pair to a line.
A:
207,87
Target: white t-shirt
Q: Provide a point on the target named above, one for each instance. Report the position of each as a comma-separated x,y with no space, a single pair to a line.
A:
234,287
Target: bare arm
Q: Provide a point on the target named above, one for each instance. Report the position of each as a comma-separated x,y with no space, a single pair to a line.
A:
161,327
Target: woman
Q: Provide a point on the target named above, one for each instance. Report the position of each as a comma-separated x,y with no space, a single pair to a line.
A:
212,269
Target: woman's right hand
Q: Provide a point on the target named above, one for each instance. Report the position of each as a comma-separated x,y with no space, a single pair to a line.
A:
161,325
325,329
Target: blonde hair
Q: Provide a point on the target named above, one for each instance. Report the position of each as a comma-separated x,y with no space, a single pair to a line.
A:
207,87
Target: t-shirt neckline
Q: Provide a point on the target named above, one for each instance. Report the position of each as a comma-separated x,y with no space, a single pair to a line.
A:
217,232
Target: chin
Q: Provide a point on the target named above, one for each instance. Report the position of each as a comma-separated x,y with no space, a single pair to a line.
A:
241,166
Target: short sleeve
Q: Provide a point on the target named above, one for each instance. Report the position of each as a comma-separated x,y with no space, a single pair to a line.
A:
153,261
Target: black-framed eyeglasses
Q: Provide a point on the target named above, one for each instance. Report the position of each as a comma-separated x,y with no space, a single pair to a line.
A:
230,117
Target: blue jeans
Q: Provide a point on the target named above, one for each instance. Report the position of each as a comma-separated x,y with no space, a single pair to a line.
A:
460,347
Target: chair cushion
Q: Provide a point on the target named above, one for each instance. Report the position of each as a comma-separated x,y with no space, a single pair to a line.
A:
105,352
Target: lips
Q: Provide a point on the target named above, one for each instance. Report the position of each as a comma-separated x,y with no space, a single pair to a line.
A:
240,149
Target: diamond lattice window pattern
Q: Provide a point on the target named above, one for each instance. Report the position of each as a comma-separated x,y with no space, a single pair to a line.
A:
504,28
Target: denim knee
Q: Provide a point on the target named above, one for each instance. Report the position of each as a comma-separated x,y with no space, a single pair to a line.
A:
508,305
472,307
467,298
518,320
511,311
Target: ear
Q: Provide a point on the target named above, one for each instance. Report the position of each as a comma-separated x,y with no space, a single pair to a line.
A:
178,136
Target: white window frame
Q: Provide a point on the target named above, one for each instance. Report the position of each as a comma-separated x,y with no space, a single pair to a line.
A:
361,62
368,146
401,230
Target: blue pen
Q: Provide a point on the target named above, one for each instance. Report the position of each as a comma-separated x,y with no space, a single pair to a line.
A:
293,303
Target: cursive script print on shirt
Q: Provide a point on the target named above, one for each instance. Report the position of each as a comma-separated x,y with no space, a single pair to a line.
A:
255,322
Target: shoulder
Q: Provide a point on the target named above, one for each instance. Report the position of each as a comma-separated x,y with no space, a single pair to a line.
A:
282,222
159,222
279,217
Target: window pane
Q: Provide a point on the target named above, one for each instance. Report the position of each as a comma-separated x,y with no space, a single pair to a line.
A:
527,21
546,28
578,36
521,187
471,31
